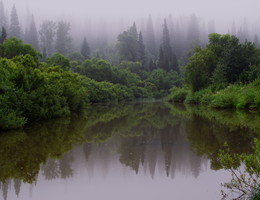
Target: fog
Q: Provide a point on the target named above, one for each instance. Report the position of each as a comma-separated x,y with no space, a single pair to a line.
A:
103,20
221,9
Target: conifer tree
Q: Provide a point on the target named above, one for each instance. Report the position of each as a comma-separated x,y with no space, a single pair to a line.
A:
14,30
193,34
128,44
150,38
256,41
33,35
167,59
141,50
85,50
47,34
3,35
63,39
135,46
3,21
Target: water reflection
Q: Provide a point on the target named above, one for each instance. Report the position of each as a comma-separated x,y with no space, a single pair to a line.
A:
151,140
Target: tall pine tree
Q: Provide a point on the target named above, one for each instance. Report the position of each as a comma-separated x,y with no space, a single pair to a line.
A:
3,35
3,21
256,41
167,59
85,50
128,44
193,34
47,34
63,39
141,50
150,37
33,35
14,30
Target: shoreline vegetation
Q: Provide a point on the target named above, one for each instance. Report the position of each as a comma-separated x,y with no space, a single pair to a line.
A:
223,74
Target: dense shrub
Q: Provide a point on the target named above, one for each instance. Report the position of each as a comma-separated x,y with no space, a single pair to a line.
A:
177,95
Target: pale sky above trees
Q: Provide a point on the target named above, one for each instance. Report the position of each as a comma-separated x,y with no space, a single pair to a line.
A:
204,8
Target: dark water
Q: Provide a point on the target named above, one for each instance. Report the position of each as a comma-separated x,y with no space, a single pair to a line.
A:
136,151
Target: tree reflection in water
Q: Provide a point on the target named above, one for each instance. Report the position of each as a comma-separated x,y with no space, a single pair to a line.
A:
143,137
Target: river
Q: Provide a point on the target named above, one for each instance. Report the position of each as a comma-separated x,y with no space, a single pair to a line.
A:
125,151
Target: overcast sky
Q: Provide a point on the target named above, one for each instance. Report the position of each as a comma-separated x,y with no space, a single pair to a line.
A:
219,9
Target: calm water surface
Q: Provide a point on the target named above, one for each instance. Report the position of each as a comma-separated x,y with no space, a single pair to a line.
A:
137,151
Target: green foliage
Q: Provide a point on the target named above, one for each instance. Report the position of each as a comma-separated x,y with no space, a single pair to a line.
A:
101,70
245,183
238,96
13,47
131,46
76,56
108,92
177,95
234,96
58,59
200,97
223,60
29,92
163,80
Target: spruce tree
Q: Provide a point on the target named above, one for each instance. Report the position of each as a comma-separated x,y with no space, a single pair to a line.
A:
233,29
128,45
47,34
135,46
14,30
141,50
33,35
3,21
150,38
167,59
193,32
3,35
85,50
63,39
256,41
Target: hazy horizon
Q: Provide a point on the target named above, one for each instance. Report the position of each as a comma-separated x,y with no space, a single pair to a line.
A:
221,11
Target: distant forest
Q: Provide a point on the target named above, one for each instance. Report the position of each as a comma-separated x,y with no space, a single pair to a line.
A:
153,42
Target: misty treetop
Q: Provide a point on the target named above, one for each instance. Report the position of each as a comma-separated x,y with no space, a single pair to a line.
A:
156,43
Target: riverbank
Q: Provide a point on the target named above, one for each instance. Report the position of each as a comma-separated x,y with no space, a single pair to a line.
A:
239,96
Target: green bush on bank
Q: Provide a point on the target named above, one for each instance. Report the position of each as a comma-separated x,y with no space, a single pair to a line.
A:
177,95
234,96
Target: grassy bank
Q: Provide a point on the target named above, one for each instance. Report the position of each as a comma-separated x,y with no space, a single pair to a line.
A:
233,96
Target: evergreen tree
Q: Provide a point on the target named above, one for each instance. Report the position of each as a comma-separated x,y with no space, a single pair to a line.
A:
44,53
152,65
63,39
135,46
3,35
128,44
14,30
150,38
193,32
256,41
33,35
161,60
3,21
47,35
85,50
141,50
167,59
233,29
